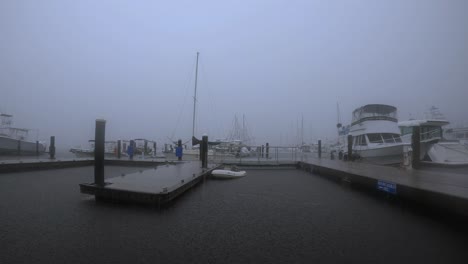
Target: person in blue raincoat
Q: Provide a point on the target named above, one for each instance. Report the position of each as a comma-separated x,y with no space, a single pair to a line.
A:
130,150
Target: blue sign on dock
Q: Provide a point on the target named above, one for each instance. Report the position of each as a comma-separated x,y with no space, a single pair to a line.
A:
384,186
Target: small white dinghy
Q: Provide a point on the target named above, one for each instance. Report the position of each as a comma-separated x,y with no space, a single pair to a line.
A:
228,173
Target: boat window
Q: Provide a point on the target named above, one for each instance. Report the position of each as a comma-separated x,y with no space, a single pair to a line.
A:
406,130
363,140
374,138
397,138
388,138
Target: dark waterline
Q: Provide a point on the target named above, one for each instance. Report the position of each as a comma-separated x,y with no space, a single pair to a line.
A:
270,216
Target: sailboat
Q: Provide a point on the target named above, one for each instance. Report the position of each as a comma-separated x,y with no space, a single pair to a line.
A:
195,141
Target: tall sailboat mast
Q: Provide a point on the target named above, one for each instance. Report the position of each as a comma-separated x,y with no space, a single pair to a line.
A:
302,130
195,98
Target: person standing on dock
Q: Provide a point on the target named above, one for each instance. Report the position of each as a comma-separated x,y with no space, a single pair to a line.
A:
130,149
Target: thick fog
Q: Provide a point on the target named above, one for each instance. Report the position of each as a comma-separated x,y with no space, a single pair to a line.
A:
64,64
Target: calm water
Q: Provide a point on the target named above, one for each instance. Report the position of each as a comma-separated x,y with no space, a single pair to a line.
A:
270,216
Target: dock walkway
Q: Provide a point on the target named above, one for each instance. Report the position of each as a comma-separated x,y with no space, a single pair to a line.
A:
448,191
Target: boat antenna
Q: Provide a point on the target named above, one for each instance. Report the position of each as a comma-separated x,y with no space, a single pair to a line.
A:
195,98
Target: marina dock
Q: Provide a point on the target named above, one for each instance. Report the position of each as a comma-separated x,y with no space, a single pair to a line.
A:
153,186
440,190
19,165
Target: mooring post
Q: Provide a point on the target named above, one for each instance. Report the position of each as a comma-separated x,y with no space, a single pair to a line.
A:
179,149
146,147
200,150
119,148
37,148
263,150
204,147
18,149
154,149
99,139
52,147
416,146
165,147
350,147
267,150
320,149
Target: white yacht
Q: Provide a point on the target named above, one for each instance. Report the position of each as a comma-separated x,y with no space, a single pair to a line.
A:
436,146
458,134
376,137
430,130
13,139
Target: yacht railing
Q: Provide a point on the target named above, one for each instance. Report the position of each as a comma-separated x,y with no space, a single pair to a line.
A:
430,135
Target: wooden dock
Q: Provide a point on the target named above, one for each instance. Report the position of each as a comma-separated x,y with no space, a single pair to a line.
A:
155,186
436,189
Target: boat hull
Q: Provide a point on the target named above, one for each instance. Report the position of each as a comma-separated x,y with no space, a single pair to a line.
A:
228,174
390,154
10,146
449,153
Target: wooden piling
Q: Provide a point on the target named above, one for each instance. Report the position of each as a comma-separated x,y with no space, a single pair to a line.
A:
320,149
204,148
267,150
416,146
99,139
52,147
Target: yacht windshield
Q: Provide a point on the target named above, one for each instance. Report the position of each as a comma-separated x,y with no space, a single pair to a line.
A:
375,112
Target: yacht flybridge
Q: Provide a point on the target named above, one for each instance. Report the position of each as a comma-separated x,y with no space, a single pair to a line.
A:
376,136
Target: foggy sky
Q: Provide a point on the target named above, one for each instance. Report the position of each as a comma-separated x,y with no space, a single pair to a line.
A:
65,63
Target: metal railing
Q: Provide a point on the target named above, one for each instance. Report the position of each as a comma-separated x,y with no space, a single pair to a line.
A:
253,155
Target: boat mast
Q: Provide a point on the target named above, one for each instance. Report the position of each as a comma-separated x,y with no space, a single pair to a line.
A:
302,130
195,98
243,128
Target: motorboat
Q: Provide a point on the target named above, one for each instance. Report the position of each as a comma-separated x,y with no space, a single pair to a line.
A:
375,133
430,132
437,146
457,134
15,140
110,149
228,173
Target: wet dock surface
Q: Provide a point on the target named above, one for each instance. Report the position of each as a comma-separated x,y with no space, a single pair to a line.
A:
269,216
439,190
161,179
442,180
156,186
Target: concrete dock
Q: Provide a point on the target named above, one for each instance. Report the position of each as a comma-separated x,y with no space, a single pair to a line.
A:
437,189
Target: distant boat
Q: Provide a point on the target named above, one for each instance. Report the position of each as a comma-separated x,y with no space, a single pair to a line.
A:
110,149
14,140
457,133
